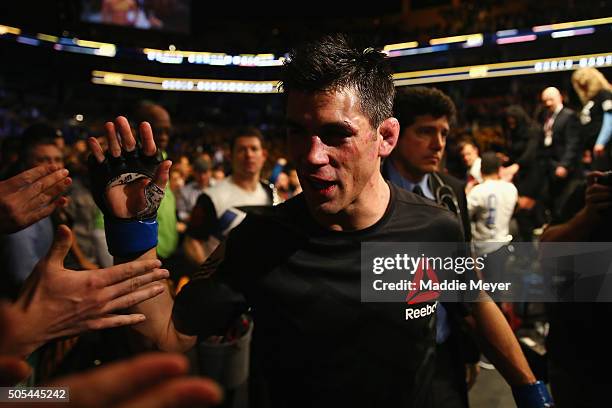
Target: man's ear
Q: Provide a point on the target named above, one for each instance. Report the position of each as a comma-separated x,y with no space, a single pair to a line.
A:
389,130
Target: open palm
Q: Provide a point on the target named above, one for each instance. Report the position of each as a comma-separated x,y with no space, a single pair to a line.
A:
128,200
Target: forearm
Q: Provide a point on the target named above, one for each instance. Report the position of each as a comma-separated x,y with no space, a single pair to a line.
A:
606,130
577,229
194,250
500,344
158,325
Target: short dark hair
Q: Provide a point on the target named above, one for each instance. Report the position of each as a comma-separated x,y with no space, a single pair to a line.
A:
246,131
421,100
467,141
335,62
489,164
38,134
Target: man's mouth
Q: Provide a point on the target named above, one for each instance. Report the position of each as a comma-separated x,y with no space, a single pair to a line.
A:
320,186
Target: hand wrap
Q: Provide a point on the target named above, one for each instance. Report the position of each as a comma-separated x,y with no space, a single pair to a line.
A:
534,395
127,237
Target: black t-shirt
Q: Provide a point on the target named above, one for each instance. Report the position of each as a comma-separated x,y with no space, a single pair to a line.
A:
315,343
591,116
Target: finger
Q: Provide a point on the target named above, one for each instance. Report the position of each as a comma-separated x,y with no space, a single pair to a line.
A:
592,176
60,247
601,206
598,195
134,298
113,141
179,392
29,176
110,321
109,384
38,214
37,198
13,370
130,285
62,202
99,323
162,174
125,131
598,189
96,149
121,272
146,137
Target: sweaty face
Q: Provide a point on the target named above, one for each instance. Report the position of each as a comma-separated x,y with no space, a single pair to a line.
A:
46,154
421,146
335,149
248,156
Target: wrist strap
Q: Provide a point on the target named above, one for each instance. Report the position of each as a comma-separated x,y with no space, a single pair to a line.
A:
129,239
534,395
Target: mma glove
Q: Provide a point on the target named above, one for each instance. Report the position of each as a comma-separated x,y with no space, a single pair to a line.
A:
127,237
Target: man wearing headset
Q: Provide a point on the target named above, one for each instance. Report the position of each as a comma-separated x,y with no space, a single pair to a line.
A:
425,115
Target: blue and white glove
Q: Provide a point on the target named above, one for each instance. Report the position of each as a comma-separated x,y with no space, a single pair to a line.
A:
127,237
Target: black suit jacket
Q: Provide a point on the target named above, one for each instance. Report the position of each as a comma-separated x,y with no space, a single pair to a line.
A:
566,143
458,187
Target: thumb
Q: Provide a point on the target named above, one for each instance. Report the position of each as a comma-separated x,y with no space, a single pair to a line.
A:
60,247
162,174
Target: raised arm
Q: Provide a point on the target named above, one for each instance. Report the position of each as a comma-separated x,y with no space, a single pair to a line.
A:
128,184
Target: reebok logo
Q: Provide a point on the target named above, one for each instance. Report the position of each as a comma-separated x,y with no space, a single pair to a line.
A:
426,310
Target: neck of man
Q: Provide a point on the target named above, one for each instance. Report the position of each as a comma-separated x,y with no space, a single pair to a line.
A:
247,182
362,213
486,177
406,171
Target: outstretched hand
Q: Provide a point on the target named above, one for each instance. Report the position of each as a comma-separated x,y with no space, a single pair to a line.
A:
60,302
129,200
31,196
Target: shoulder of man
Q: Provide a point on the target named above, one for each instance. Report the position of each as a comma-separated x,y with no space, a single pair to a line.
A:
405,198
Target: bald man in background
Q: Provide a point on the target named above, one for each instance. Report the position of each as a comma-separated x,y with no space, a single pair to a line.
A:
160,121
560,149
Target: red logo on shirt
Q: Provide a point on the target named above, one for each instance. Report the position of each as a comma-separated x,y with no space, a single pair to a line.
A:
416,295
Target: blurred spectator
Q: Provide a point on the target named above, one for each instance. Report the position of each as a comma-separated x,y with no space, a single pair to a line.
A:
159,119
218,172
491,207
471,159
186,200
23,249
595,94
217,210
177,181
294,182
523,136
560,149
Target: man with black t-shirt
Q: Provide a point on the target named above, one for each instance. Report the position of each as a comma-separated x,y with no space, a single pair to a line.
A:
315,343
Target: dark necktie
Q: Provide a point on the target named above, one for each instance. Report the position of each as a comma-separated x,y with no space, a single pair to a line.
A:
418,190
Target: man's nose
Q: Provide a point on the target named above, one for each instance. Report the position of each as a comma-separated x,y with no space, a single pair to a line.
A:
437,141
316,153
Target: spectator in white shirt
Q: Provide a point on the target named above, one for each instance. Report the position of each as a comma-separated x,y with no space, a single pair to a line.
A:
491,206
